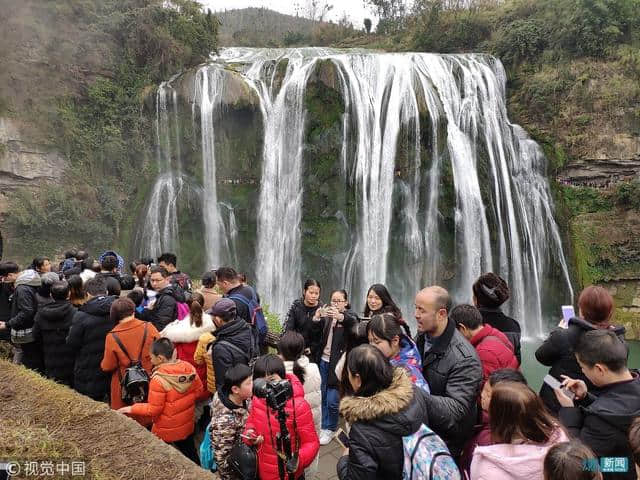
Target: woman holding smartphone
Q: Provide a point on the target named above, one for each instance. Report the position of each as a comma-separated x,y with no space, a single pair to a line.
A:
304,315
336,324
595,311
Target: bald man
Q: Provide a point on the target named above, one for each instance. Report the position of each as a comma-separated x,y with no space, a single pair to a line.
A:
451,367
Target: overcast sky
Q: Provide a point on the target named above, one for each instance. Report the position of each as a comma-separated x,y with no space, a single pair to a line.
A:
355,9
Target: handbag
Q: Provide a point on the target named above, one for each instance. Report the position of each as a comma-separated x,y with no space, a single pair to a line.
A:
243,461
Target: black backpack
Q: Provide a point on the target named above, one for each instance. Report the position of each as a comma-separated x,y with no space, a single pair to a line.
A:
134,385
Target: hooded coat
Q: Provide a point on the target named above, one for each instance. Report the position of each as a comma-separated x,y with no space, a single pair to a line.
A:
557,352
173,391
340,335
508,461
185,339
378,424
602,422
86,338
50,328
313,395
495,351
165,308
264,422
236,332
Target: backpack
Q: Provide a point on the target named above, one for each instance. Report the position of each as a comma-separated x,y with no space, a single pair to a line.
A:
182,310
258,322
426,457
134,384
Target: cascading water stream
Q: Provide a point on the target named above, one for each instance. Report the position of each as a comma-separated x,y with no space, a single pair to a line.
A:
159,232
495,209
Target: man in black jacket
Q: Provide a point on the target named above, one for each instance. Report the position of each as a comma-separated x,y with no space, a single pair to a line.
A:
451,367
557,352
165,308
50,328
234,340
229,282
602,420
87,335
23,311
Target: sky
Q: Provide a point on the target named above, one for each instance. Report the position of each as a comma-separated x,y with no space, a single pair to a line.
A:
355,9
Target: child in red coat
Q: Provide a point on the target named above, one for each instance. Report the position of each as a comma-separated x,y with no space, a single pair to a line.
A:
263,425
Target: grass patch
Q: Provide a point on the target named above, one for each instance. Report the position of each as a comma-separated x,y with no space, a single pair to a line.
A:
48,421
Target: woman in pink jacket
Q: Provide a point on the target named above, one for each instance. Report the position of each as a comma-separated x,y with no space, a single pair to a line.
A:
523,431
263,425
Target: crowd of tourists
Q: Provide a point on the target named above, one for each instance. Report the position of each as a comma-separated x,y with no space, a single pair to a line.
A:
446,401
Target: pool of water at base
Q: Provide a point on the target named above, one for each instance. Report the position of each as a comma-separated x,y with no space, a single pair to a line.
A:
535,371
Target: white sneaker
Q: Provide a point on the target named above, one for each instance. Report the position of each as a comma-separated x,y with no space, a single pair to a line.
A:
326,436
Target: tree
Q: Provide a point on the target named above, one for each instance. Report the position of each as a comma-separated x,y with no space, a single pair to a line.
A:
315,10
367,25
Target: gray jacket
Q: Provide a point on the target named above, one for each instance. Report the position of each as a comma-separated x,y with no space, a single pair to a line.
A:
454,373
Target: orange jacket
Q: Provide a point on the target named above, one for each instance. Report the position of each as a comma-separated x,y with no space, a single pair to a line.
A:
173,390
114,359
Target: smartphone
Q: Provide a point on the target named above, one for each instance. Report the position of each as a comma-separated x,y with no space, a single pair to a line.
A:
342,438
567,313
554,383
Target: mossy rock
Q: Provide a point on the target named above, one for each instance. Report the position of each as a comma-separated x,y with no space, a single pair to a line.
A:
606,246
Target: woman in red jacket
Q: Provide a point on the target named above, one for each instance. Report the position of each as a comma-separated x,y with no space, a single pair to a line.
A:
263,425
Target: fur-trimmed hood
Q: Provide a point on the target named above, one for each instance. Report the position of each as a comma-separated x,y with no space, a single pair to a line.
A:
181,331
399,409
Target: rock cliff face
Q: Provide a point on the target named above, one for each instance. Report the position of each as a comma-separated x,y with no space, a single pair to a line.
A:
24,162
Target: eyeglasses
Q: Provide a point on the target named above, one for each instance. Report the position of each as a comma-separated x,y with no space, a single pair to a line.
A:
338,301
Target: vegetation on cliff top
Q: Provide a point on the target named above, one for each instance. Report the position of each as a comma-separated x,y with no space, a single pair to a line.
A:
102,129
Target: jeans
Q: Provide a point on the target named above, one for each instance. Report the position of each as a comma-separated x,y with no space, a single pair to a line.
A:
330,400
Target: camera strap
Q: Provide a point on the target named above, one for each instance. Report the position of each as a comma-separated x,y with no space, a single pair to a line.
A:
282,455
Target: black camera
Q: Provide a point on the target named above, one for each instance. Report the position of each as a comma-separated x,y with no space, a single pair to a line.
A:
277,393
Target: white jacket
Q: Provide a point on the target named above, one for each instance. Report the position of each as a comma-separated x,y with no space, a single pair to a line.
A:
312,387
181,331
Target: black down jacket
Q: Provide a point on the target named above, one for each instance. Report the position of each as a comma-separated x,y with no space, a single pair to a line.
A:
50,328
378,424
165,308
87,335
454,373
557,352
237,333
300,319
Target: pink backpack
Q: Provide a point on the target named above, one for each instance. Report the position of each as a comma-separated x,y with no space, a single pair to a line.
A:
183,310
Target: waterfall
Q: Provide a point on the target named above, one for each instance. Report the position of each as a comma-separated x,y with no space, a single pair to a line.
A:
472,198
280,210
208,87
159,231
